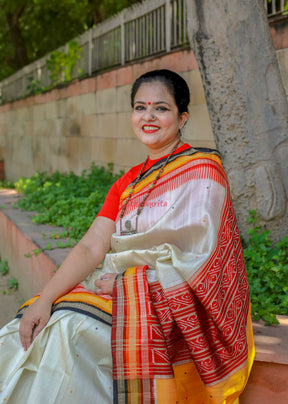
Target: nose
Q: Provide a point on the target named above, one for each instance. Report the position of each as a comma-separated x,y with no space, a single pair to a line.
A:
149,114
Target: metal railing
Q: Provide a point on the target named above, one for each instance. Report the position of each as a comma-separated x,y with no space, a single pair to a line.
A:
145,29
276,7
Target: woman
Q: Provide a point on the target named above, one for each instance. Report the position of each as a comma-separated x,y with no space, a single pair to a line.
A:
178,328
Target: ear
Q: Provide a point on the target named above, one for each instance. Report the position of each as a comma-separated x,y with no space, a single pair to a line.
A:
183,118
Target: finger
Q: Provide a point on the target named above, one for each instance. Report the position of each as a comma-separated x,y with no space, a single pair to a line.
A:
38,329
99,286
105,277
25,332
98,292
98,283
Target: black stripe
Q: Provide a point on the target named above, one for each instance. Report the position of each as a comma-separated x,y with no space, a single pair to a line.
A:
187,152
80,307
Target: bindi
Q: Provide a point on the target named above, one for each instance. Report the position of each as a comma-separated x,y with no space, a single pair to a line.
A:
149,103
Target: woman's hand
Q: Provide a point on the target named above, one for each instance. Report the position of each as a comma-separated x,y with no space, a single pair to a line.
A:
33,321
105,284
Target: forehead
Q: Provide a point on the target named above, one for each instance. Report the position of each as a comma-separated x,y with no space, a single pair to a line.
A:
154,91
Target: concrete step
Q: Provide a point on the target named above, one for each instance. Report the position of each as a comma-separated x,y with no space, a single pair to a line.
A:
19,236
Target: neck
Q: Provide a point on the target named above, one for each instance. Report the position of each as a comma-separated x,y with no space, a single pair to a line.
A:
155,154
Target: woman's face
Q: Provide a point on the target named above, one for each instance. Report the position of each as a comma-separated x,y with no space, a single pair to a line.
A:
155,118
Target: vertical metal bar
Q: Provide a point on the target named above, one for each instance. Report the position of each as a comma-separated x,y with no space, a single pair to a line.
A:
140,42
151,32
132,55
174,41
159,29
273,7
163,27
282,5
128,40
95,54
128,33
168,25
135,38
90,50
147,33
142,36
181,14
185,22
142,33
122,25
118,44
156,30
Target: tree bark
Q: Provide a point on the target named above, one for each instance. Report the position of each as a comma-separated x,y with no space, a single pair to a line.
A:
20,58
247,105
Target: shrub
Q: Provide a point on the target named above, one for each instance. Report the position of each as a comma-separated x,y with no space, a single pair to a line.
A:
4,269
66,200
267,269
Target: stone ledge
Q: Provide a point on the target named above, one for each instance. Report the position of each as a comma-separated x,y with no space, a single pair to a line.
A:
19,235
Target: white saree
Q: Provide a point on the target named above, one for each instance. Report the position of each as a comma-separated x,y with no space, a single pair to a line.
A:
181,329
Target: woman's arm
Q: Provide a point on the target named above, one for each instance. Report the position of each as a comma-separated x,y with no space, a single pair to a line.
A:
83,259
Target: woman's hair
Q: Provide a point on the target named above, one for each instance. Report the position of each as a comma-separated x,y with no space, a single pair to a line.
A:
176,85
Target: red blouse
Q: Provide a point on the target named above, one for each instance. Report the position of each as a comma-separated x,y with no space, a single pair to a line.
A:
110,206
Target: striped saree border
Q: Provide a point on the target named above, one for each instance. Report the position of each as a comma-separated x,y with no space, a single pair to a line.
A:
82,302
177,160
131,339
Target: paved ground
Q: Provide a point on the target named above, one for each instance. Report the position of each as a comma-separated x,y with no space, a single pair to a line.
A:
9,301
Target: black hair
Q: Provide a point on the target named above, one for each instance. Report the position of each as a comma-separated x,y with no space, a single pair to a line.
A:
176,85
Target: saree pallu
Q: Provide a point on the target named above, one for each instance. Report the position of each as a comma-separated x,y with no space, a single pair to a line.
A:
181,327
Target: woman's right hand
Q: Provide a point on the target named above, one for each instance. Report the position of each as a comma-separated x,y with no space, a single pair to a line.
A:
33,321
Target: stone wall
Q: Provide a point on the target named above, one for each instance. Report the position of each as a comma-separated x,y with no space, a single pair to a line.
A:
89,120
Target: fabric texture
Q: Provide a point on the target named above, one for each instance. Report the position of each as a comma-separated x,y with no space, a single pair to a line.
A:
181,328
198,294
110,206
69,361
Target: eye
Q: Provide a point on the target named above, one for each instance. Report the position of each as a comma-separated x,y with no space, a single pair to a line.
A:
161,108
139,108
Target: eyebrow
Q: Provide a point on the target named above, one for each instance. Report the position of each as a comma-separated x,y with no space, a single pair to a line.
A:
156,103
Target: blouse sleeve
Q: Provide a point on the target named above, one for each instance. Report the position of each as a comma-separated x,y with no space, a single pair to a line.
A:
111,204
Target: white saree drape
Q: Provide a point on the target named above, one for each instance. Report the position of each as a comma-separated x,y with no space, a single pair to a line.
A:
188,237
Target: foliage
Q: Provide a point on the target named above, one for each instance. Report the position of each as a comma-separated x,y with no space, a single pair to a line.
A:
34,87
7,184
61,63
66,200
30,29
4,269
13,283
267,268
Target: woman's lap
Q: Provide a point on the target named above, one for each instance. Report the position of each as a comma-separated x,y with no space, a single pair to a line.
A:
70,361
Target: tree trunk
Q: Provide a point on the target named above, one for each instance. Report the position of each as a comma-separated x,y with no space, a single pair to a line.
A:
20,58
247,105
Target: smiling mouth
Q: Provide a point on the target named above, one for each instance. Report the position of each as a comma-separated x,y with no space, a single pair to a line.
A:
149,128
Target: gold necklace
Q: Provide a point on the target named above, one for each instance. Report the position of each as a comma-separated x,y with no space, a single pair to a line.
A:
128,224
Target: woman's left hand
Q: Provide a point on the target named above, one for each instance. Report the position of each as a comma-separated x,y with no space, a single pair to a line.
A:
105,284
